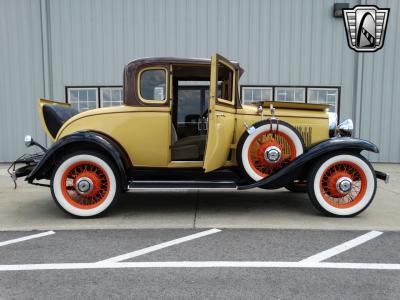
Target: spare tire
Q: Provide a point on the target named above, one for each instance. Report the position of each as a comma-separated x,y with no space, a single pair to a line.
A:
268,146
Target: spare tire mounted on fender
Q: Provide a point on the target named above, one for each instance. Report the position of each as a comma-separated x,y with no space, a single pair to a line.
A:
268,146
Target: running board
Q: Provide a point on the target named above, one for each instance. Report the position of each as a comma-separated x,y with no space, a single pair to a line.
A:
133,185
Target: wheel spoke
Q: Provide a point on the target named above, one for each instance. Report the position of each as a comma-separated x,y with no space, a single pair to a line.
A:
330,177
264,140
99,184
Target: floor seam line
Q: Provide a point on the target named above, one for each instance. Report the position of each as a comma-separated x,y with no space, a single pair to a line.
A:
195,209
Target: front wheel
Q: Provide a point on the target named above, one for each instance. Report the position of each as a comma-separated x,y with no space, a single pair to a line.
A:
342,185
85,184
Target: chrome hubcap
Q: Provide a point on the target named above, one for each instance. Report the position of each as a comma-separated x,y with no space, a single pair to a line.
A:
272,154
344,185
84,185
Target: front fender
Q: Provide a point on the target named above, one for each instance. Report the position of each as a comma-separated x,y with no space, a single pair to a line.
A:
283,176
82,140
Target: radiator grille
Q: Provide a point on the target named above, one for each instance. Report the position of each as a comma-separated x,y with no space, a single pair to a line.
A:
306,133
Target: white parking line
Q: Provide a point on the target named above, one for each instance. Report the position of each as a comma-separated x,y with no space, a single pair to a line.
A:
200,264
159,246
342,247
26,238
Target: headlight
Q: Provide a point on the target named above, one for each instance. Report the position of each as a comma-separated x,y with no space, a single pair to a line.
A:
332,123
346,128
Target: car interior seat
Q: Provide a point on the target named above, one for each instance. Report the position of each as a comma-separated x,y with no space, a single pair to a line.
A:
187,148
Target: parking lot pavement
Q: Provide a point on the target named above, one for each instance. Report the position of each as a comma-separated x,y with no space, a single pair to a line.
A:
199,244
202,284
189,263
31,207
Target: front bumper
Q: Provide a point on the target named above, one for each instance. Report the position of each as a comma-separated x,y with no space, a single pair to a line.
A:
382,176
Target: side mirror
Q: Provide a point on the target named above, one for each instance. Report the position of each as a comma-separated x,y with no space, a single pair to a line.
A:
28,141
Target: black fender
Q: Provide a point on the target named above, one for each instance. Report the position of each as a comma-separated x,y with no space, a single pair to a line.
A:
286,174
82,140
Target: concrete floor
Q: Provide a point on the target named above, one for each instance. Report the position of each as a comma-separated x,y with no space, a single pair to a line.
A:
32,208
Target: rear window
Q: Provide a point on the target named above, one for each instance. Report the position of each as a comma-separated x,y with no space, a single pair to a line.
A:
153,85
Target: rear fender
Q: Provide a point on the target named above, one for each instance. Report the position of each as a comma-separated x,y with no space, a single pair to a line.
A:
82,140
283,176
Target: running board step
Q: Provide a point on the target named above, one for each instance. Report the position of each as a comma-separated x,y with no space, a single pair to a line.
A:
182,185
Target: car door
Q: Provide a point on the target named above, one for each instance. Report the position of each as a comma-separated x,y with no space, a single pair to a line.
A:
221,115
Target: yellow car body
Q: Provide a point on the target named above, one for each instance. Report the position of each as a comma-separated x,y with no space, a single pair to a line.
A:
144,132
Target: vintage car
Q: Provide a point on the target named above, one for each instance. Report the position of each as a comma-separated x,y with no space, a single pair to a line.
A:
183,125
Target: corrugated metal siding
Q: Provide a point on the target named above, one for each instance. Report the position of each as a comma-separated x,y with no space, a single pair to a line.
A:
277,42
21,75
380,89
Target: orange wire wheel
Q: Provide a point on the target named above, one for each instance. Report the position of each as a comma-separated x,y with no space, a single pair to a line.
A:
268,146
85,185
343,184
270,151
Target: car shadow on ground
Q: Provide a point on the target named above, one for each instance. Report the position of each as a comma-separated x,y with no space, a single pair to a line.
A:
216,201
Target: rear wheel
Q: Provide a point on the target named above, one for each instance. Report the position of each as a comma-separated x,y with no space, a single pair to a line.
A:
342,185
268,148
85,184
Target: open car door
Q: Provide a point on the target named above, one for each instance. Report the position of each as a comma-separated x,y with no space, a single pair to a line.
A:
221,115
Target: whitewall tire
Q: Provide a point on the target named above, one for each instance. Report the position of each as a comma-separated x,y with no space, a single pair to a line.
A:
255,143
342,185
85,184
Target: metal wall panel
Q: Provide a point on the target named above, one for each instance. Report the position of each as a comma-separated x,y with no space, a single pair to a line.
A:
284,42
21,75
380,89
277,42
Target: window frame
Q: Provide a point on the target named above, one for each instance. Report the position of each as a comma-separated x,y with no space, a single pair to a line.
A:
294,93
153,101
79,88
85,87
234,97
271,88
326,88
307,87
101,89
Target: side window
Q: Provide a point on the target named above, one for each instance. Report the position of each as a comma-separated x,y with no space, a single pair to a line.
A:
225,84
153,85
